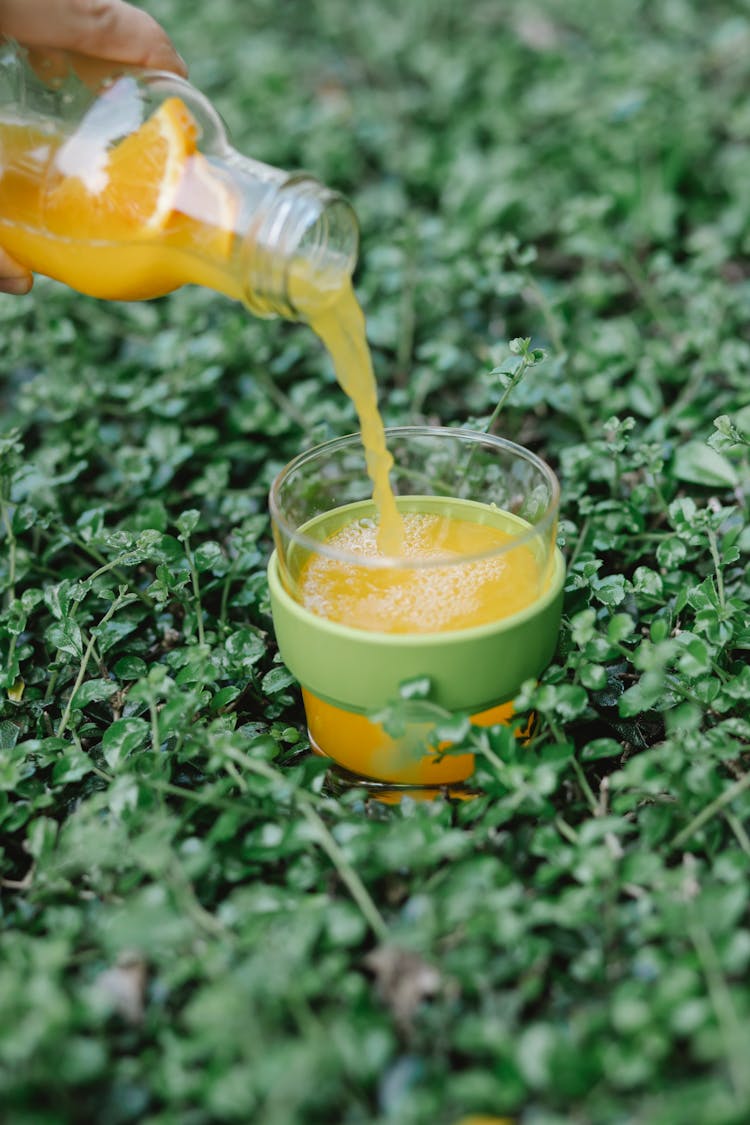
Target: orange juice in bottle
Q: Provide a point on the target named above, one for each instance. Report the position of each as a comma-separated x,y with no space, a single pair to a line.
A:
128,188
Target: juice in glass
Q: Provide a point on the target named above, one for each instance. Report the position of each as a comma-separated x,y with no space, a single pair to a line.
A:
444,593
470,598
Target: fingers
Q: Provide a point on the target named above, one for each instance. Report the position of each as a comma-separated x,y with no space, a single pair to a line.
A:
107,29
13,278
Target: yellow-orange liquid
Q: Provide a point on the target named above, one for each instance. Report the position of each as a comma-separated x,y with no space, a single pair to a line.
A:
341,327
364,748
429,589
432,591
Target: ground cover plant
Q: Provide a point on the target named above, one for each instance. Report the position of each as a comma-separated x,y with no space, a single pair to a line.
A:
196,927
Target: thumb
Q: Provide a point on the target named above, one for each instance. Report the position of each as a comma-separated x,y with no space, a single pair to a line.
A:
13,278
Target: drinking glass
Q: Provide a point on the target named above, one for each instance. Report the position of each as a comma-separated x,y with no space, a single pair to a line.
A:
350,659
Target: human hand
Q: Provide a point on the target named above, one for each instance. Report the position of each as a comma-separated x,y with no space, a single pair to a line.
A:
106,29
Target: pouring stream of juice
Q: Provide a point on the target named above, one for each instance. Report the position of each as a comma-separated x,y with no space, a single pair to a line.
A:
341,327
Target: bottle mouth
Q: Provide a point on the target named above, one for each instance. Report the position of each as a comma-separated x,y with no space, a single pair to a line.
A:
304,251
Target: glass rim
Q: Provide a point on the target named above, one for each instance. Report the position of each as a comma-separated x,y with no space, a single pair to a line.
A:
318,547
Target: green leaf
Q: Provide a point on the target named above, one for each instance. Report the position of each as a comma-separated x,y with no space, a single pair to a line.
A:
418,688
695,659
122,738
699,464
276,680
621,626
112,632
9,733
130,668
593,676
610,590
41,836
209,556
245,647
93,691
601,748
65,636
72,767
187,522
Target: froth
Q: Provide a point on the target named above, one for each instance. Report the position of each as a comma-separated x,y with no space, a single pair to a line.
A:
449,595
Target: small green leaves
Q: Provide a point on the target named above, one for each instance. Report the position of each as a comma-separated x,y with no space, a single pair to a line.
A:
523,348
187,522
202,923
731,433
415,689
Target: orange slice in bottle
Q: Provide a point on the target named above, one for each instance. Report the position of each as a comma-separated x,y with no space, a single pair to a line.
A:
129,191
205,210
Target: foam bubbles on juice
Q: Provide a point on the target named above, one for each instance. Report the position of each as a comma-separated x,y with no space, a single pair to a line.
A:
436,591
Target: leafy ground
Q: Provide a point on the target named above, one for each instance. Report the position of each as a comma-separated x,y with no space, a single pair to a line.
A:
194,929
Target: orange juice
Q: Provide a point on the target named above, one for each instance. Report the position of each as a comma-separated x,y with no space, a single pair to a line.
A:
432,591
117,234
341,327
364,748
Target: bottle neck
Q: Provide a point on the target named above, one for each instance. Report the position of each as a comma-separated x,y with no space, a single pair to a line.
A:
297,240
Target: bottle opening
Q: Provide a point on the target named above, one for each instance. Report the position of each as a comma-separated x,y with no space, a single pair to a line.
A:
303,252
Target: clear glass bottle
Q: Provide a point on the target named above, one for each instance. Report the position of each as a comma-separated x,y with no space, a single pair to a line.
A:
126,187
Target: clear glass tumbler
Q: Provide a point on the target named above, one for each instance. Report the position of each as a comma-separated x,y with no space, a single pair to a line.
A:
472,602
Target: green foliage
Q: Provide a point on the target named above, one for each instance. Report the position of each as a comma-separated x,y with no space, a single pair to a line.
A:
196,926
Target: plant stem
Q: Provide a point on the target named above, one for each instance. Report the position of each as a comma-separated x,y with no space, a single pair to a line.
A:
196,591
730,794
548,314
518,375
525,361
713,544
200,798
565,830
114,568
12,552
154,719
185,893
583,782
10,595
285,404
120,600
724,1008
739,831
632,269
348,875
580,542
226,587
492,758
